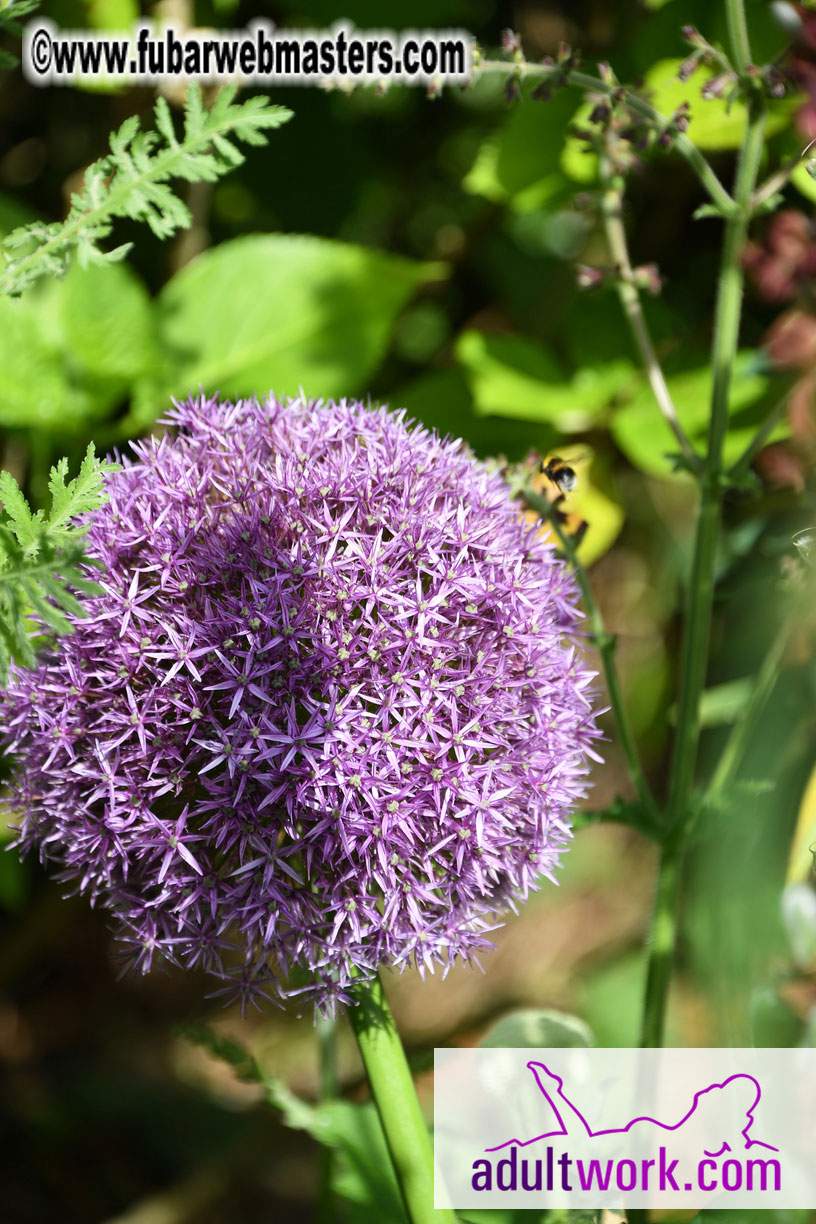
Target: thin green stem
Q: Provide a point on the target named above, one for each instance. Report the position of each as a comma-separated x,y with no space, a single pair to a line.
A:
717,193
700,591
777,413
395,1097
739,44
612,212
605,643
746,724
326,1044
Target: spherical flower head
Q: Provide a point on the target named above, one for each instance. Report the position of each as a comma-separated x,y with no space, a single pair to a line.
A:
327,712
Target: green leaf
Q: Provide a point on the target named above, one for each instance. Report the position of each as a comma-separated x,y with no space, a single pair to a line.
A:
715,124
515,377
107,322
86,492
722,703
363,1172
538,1028
132,181
519,163
644,437
284,313
804,182
443,401
32,381
27,527
40,557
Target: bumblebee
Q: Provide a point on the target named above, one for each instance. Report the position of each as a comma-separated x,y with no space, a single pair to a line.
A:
563,476
560,473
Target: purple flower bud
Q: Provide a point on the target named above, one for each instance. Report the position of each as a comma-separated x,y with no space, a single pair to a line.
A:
542,92
512,90
600,112
717,85
511,42
589,278
648,277
688,67
327,712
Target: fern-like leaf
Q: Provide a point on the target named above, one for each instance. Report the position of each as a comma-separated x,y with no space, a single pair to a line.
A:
133,181
10,15
41,557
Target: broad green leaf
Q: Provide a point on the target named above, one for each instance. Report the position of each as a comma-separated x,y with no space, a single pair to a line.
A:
538,1028
714,123
520,163
644,437
514,377
107,322
723,703
32,378
804,182
443,401
363,1172
285,312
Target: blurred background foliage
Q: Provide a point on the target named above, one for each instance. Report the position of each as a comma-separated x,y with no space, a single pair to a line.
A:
423,252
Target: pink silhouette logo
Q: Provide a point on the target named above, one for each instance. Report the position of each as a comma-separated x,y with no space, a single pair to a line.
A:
739,1095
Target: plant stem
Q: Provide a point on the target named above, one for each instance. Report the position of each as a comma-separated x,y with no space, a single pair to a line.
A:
777,413
745,726
738,34
662,938
612,211
326,1044
605,643
394,1095
700,591
682,145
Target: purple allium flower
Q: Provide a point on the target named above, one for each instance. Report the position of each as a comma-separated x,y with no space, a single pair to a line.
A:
327,713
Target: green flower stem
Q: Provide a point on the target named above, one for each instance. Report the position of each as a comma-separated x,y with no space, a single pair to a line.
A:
717,193
700,592
605,643
394,1095
627,290
326,1044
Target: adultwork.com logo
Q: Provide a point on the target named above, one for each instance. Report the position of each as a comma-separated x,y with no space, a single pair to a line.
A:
589,1128
708,1128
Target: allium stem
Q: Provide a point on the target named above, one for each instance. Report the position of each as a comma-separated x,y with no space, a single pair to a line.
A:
627,290
326,1044
392,1088
605,644
685,147
700,590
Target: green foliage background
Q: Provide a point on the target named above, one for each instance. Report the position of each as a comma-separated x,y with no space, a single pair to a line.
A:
421,252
